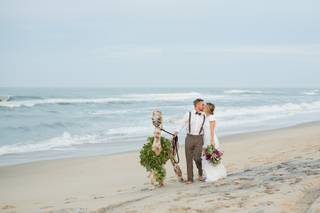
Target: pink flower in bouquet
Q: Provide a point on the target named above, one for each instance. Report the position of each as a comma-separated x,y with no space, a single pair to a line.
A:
213,155
208,156
218,153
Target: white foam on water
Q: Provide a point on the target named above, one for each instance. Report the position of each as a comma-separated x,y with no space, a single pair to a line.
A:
4,98
311,92
165,96
138,110
168,97
112,112
288,108
123,98
66,140
238,91
131,130
31,103
241,116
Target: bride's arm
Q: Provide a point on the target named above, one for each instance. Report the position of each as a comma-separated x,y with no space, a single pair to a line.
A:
212,132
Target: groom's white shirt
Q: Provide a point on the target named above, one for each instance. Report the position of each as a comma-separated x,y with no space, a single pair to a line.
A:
196,123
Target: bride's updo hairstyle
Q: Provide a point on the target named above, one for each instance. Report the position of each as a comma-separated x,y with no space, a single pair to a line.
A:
211,108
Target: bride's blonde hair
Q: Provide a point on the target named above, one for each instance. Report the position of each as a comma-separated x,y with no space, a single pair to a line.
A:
211,107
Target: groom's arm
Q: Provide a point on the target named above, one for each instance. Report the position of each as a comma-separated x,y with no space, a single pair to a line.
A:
183,123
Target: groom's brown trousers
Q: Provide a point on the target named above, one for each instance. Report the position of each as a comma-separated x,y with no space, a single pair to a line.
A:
193,149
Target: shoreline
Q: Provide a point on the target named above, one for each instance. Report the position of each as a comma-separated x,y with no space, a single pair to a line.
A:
225,138
268,171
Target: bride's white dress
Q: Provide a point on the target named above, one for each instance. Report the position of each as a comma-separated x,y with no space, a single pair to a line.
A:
211,172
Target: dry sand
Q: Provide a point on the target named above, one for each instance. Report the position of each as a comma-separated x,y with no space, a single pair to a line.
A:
269,171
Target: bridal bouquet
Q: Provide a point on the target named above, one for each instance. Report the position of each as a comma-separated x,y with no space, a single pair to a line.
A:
213,155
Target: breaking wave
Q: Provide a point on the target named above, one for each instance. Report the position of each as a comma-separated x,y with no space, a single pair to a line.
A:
66,140
311,92
238,91
168,97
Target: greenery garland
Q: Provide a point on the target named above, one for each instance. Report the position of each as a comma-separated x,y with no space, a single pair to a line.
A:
155,163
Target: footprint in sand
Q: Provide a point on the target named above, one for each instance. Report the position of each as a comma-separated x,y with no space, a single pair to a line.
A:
241,204
311,173
8,207
70,200
98,197
177,199
191,200
295,180
46,207
144,189
246,178
210,201
181,209
268,203
268,189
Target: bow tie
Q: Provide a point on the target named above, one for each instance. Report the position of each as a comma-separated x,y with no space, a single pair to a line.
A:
198,113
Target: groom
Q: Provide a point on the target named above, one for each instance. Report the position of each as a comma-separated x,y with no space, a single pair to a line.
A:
193,122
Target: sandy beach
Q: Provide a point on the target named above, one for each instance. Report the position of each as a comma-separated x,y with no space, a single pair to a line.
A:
268,171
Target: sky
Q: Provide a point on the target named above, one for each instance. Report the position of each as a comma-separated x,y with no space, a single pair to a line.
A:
159,43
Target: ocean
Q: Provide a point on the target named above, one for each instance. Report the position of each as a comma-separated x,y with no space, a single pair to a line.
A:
52,123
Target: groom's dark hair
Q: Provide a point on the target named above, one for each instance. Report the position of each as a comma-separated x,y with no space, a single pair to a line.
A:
195,102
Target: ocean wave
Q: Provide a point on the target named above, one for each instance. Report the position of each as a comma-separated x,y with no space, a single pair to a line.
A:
31,103
10,98
66,140
233,116
111,112
129,130
311,92
169,97
238,91
40,126
5,98
288,108
137,110
164,96
24,97
172,96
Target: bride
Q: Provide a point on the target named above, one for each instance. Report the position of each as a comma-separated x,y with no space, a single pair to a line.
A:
211,172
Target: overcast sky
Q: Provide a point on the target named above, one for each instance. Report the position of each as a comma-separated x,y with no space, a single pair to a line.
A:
116,43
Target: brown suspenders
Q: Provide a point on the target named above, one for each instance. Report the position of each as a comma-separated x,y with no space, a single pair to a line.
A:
204,118
189,122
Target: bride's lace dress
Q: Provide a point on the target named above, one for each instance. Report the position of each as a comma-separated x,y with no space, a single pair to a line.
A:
211,172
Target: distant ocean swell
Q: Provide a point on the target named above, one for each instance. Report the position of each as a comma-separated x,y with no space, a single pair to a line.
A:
30,101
